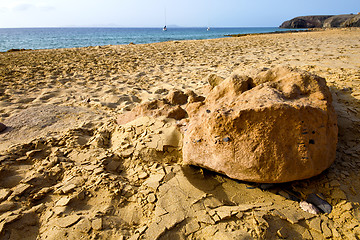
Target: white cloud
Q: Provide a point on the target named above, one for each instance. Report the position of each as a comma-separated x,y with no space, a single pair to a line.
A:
23,7
47,8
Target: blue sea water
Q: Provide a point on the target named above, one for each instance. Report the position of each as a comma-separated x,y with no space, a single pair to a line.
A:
51,38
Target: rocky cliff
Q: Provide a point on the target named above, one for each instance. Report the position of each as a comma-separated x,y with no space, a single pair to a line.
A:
328,21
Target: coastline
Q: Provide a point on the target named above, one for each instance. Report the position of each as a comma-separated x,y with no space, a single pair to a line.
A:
55,102
276,32
43,38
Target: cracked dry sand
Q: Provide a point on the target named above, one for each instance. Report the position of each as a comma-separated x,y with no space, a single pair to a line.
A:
69,172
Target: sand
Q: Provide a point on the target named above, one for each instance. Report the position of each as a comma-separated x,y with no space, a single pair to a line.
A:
68,171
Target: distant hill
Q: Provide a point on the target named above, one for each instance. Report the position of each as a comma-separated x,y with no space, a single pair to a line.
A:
323,21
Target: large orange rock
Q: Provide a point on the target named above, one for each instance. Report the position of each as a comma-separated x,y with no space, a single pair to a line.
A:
277,126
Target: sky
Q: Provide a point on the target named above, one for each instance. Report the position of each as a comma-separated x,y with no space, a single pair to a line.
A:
145,13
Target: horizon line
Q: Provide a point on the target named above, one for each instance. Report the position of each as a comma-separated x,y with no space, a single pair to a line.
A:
168,26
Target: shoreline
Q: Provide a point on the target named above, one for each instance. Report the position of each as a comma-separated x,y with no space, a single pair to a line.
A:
276,32
220,35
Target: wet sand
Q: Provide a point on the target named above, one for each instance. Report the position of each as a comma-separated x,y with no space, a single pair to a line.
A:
62,177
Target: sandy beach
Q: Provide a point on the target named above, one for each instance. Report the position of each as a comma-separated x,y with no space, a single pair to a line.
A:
69,171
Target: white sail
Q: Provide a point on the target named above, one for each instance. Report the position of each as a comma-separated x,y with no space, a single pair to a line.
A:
165,28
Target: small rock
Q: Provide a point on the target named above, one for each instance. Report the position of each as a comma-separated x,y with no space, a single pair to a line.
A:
326,230
6,206
193,97
12,218
319,203
214,80
177,113
347,207
143,175
308,207
41,194
97,224
36,209
20,189
68,188
192,227
84,225
226,139
63,201
4,194
23,158
315,224
127,152
59,211
161,91
177,97
151,198
2,127
68,221
32,152
154,181
113,166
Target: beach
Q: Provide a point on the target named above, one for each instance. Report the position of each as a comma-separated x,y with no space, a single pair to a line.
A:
60,178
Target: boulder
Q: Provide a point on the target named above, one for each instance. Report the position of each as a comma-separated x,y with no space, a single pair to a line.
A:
275,127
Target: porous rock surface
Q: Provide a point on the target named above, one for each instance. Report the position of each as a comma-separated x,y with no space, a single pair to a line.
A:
278,126
323,21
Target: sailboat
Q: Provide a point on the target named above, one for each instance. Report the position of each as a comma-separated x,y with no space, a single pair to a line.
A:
165,28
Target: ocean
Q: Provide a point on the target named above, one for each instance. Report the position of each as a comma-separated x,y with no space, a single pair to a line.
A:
52,38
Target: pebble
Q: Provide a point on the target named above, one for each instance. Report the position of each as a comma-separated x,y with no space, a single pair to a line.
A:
4,194
151,198
32,152
308,207
84,225
97,224
226,139
63,202
143,175
2,127
68,188
68,221
319,203
20,189
315,224
6,206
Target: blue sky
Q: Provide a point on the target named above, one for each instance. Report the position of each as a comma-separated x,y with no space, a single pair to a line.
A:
145,13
